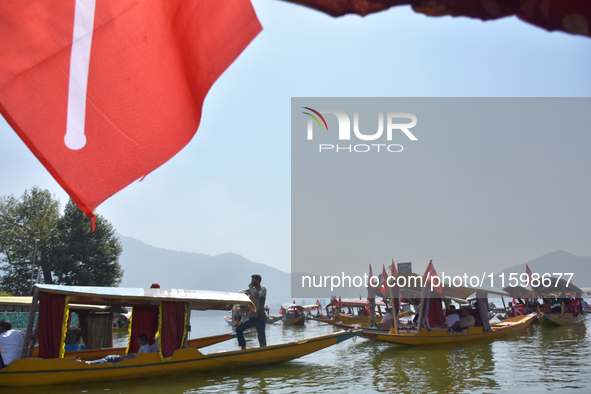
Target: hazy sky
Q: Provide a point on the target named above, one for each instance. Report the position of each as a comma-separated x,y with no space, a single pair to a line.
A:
229,189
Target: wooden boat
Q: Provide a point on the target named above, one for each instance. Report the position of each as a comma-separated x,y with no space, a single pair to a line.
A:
432,329
335,314
314,310
439,336
293,314
556,319
169,306
560,289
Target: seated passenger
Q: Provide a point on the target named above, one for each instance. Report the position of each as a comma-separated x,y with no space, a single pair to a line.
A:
453,319
11,343
509,312
143,342
386,322
466,321
111,359
155,347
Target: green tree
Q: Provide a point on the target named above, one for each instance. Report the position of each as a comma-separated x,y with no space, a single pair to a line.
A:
31,217
84,257
67,251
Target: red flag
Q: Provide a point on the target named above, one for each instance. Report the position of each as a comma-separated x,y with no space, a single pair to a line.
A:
369,280
384,289
393,269
528,273
103,93
430,273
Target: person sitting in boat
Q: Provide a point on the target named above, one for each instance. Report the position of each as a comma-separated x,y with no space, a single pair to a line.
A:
574,306
111,359
11,343
556,306
144,345
547,305
258,319
466,321
453,318
509,312
386,322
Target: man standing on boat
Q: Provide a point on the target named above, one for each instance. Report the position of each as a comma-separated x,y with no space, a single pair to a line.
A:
258,318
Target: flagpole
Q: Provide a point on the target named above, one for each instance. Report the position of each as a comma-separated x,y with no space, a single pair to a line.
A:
394,306
422,306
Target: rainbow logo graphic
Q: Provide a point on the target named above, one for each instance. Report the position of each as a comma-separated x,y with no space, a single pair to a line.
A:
315,118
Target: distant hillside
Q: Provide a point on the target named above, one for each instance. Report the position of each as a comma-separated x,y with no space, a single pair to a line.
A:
559,262
144,264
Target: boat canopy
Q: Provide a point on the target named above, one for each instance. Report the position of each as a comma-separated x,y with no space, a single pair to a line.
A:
129,296
287,306
6,303
353,303
558,287
451,290
311,307
410,285
519,291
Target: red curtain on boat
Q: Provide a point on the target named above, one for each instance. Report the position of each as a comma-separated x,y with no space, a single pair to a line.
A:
144,320
435,312
172,327
53,316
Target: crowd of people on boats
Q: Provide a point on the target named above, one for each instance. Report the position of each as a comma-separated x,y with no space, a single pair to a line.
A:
520,307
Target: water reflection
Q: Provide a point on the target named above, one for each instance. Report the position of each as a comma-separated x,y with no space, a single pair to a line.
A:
445,368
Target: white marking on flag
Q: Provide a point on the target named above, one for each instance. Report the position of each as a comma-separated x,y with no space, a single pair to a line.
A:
79,63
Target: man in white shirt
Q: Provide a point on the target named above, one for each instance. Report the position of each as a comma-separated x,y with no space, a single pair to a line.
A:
386,322
453,319
11,343
143,342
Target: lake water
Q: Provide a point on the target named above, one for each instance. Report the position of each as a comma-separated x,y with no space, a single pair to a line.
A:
534,360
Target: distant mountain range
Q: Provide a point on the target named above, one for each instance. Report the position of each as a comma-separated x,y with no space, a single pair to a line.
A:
556,262
144,264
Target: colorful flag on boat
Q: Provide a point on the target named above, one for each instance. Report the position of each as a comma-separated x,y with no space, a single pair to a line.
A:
384,289
528,273
429,274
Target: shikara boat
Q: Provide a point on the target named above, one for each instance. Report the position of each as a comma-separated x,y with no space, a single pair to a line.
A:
293,314
442,335
311,310
562,290
432,329
167,311
337,315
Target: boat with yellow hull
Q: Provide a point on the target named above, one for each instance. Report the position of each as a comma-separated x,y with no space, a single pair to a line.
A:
553,320
293,314
35,371
347,319
438,336
163,311
562,290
